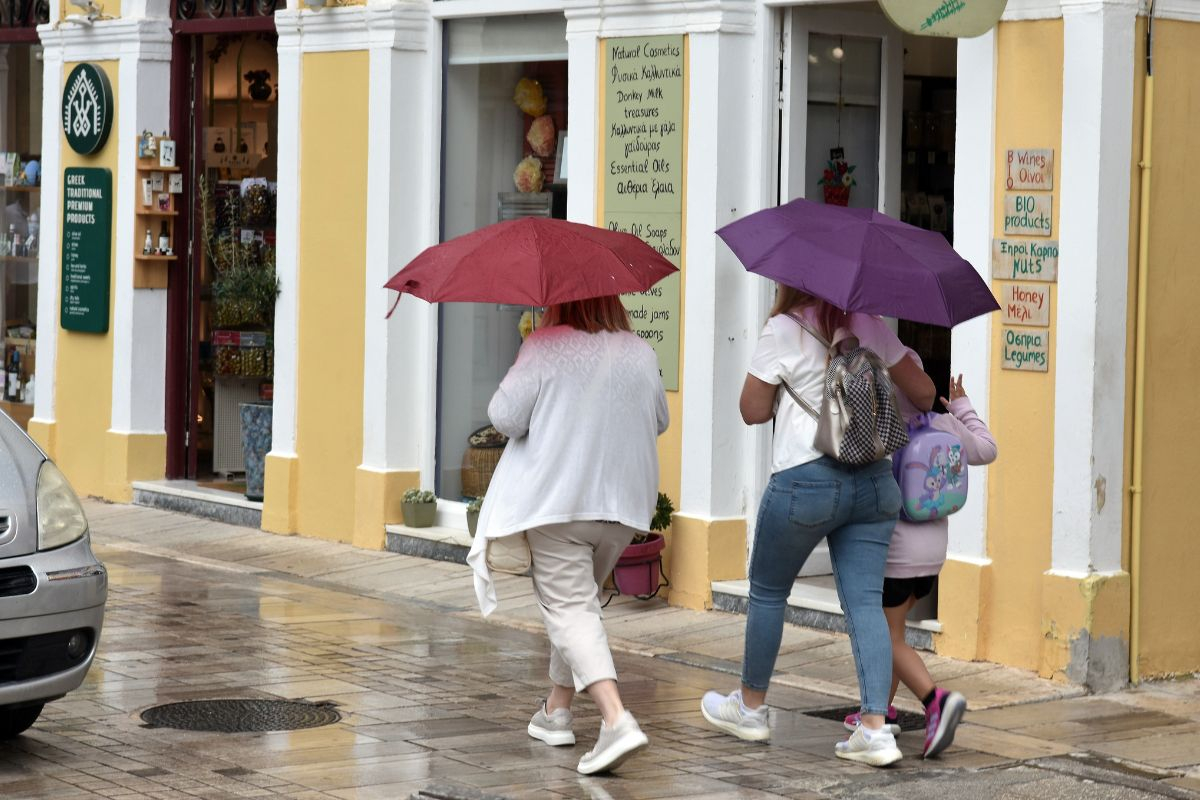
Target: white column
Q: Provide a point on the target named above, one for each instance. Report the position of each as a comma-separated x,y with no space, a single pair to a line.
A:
46,347
583,82
1089,355
402,219
287,230
717,290
139,315
971,343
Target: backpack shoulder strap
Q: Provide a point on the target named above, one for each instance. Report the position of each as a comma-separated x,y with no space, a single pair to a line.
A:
799,320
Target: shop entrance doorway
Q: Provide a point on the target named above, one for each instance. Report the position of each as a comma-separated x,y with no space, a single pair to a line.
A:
223,291
867,120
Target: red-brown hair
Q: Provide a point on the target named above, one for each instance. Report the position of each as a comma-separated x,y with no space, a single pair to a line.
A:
829,317
592,315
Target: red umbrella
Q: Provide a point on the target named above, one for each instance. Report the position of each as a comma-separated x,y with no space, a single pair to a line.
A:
532,261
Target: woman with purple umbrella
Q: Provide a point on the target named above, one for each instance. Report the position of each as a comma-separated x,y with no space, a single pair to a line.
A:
583,407
811,497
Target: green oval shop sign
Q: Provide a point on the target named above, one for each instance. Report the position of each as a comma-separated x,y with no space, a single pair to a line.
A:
87,109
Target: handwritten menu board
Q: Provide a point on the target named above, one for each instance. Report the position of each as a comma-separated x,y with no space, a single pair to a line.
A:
642,163
86,249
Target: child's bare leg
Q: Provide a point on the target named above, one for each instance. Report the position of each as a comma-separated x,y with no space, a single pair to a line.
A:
907,665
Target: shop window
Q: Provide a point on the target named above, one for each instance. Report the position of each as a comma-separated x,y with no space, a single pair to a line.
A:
505,123
843,120
20,233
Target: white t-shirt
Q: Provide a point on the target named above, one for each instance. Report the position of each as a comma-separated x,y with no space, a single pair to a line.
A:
786,351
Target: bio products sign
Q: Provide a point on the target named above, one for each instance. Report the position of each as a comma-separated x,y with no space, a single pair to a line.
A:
1027,214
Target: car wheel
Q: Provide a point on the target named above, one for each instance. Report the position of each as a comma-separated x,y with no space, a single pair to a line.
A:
15,721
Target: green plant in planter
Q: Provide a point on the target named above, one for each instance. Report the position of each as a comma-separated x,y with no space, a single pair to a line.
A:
244,285
661,520
473,509
419,507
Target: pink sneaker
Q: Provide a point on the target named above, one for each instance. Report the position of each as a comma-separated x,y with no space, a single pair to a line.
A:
890,721
941,718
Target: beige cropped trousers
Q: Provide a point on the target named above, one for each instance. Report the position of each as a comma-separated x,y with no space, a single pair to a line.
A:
570,562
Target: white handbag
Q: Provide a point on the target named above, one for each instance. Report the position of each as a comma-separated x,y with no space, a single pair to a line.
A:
509,554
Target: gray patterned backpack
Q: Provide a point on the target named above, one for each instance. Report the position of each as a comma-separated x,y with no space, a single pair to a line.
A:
858,422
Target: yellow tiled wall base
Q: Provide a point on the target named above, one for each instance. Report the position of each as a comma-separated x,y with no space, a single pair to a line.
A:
965,588
46,436
279,494
130,457
700,551
377,496
1085,628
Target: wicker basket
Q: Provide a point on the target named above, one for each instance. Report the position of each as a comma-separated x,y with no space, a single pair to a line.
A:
477,467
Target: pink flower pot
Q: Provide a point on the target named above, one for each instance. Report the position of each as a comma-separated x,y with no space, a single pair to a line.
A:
639,569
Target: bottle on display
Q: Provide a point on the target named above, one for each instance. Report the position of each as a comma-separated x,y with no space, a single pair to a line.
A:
164,239
9,244
12,376
148,247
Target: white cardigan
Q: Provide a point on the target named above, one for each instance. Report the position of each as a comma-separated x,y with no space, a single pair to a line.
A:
582,412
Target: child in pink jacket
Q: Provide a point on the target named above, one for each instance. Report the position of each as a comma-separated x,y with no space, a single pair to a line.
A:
915,557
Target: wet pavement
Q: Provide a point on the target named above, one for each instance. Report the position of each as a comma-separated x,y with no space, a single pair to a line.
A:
431,696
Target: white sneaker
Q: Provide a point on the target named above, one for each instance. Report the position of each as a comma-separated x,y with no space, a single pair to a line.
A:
554,729
730,714
613,746
875,748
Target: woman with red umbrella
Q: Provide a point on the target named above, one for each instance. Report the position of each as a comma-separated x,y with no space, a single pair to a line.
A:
583,407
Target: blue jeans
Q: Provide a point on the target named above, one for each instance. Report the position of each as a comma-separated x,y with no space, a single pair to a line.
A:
855,509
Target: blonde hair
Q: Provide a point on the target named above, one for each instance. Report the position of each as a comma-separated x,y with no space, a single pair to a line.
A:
595,314
828,317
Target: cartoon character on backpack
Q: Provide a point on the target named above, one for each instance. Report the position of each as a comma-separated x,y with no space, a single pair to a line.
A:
931,473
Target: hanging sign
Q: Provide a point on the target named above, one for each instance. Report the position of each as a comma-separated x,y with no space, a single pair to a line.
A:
1028,214
956,18
1030,169
86,249
1025,349
87,109
1025,259
642,174
1025,304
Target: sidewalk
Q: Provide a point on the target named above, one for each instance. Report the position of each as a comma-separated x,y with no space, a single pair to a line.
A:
1149,736
809,659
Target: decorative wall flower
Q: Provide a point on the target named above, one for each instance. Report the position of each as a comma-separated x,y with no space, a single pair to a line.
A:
542,136
528,175
529,97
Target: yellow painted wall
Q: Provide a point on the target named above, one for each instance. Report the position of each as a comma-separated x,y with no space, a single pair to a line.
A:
333,211
108,8
84,368
1170,591
1020,491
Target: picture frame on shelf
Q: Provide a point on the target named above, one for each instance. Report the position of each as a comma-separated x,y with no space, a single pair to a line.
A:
164,201
175,183
166,153
560,159
157,181
147,145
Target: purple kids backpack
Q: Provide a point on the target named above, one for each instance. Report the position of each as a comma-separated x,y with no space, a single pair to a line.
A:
932,472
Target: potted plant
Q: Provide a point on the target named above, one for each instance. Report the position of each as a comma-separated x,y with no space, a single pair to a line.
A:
473,508
639,569
419,507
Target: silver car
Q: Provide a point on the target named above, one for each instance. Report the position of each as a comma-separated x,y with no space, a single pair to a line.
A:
52,588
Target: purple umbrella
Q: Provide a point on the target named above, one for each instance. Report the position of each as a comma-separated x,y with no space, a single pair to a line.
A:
861,260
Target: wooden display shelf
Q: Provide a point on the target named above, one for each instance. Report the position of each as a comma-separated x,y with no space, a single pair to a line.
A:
154,212
152,166
27,189
20,412
151,272
18,259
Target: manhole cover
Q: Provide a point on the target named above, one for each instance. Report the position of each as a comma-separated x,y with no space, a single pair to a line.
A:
908,720
241,716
